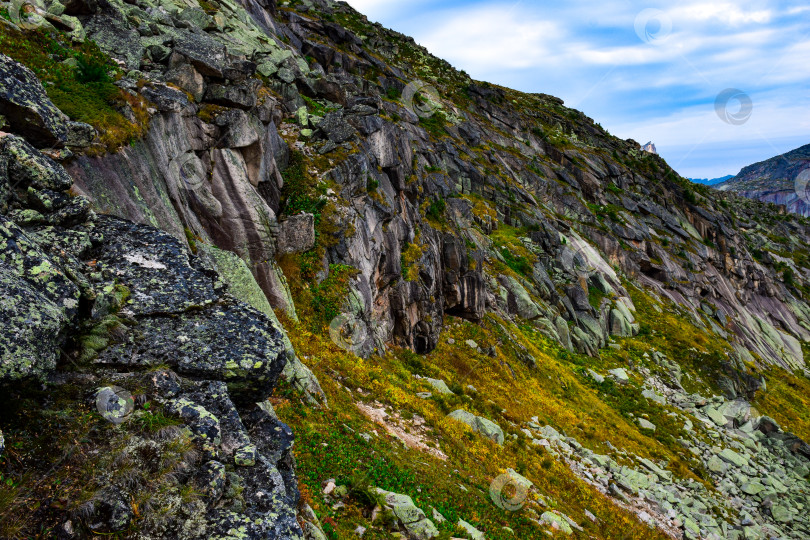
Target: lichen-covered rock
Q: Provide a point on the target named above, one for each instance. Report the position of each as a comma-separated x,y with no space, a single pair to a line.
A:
80,134
37,303
24,166
26,106
155,266
203,424
115,36
230,342
411,516
245,456
211,480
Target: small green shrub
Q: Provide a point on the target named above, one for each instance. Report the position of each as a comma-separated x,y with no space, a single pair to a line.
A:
517,263
436,209
298,194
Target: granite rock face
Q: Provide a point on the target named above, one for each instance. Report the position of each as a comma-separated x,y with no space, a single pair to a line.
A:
277,134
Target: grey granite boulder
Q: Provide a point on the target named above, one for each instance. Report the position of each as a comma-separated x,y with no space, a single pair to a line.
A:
419,527
487,428
297,234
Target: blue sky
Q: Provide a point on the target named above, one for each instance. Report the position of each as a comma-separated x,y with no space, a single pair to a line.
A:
644,70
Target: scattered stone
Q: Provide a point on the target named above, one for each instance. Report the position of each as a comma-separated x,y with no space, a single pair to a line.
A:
412,518
596,377
474,533
487,428
437,516
619,375
646,424
440,386
556,522
653,396
730,456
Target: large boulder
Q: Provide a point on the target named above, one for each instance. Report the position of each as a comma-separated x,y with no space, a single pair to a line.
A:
297,234
116,37
208,56
184,321
27,108
241,96
412,517
487,428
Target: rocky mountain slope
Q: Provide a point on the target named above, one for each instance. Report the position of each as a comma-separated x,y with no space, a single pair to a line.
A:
274,271
781,180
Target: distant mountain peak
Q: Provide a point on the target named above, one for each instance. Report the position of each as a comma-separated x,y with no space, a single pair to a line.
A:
775,180
712,181
650,147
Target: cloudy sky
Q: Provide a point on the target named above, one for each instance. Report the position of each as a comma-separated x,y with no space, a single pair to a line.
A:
644,70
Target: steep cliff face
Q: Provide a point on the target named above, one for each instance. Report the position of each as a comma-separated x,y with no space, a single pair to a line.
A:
781,180
297,164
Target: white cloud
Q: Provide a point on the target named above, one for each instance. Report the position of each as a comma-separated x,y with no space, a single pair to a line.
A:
490,38
726,13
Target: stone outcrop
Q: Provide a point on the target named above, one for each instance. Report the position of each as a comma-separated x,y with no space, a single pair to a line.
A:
97,294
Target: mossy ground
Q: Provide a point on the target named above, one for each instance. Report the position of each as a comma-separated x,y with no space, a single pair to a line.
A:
62,453
329,442
557,390
786,399
85,93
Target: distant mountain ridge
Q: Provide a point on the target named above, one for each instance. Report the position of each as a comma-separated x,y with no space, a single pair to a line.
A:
774,180
713,181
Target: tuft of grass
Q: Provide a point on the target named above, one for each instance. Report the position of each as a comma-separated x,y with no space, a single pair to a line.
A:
786,399
154,421
329,297
299,192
